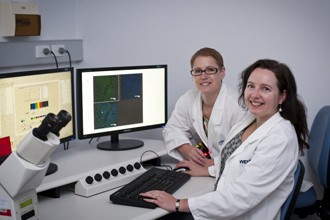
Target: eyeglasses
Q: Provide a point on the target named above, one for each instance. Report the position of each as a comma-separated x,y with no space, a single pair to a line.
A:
208,71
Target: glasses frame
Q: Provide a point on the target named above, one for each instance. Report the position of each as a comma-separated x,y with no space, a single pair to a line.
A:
192,72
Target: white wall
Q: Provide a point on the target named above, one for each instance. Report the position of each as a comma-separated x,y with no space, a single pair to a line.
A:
149,31
128,32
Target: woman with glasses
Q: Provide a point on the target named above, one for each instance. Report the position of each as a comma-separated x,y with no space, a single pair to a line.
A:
203,116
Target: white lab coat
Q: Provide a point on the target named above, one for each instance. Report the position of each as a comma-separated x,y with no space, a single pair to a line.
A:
258,176
186,122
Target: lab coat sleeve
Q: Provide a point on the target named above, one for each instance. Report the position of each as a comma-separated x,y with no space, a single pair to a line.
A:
177,130
273,158
213,169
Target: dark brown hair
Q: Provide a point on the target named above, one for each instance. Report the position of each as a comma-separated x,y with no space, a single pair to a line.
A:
293,108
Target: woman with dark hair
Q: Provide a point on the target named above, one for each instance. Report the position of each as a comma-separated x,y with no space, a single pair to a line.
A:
292,109
256,168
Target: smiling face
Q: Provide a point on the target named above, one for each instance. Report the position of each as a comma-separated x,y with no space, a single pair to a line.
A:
208,85
262,95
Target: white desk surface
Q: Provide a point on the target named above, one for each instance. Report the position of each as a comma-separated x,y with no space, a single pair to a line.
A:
83,158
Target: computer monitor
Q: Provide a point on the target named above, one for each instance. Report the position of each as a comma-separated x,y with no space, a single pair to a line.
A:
28,96
115,100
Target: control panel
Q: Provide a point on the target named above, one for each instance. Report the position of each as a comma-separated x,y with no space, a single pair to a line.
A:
108,178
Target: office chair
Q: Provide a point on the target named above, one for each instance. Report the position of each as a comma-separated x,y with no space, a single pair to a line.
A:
289,204
318,159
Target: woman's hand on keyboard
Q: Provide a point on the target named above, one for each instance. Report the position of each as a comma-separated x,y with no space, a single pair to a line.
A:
164,200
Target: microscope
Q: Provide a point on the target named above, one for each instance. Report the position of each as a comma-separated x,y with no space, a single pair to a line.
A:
24,169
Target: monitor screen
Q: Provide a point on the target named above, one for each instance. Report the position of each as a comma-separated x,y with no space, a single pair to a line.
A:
28,96
117,100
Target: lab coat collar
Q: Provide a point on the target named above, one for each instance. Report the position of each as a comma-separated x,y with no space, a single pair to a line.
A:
197,115
260,132
255,136
219,105
218,108
217,112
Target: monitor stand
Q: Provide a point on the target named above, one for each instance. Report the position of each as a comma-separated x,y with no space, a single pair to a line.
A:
119,145
54,192
52,168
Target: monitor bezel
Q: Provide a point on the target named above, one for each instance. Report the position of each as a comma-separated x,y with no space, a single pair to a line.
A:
48,71
79,107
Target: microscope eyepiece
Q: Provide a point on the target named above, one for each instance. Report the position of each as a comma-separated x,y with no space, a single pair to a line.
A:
52,123
48,123
64,118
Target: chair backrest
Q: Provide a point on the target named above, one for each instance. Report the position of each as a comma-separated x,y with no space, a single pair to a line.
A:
319,142
288,205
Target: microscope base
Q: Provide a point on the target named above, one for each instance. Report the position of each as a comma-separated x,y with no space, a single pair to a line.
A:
23,207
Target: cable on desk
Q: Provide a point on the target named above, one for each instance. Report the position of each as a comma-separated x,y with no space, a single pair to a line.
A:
151,151
92,139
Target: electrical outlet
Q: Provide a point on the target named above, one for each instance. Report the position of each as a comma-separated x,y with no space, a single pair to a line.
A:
41,51
58,49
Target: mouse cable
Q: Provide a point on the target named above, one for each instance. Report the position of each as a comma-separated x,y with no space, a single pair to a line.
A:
151,151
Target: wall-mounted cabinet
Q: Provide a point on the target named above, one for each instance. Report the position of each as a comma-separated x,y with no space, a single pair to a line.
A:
19,19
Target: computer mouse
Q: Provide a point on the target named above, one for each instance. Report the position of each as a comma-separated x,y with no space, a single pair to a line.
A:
181,169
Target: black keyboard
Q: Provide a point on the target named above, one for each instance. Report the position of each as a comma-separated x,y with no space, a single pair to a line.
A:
153,179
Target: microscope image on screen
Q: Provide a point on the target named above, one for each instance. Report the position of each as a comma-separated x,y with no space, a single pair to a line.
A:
117,100
115,97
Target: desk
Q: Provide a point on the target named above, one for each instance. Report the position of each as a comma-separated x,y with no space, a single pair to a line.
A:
83,158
